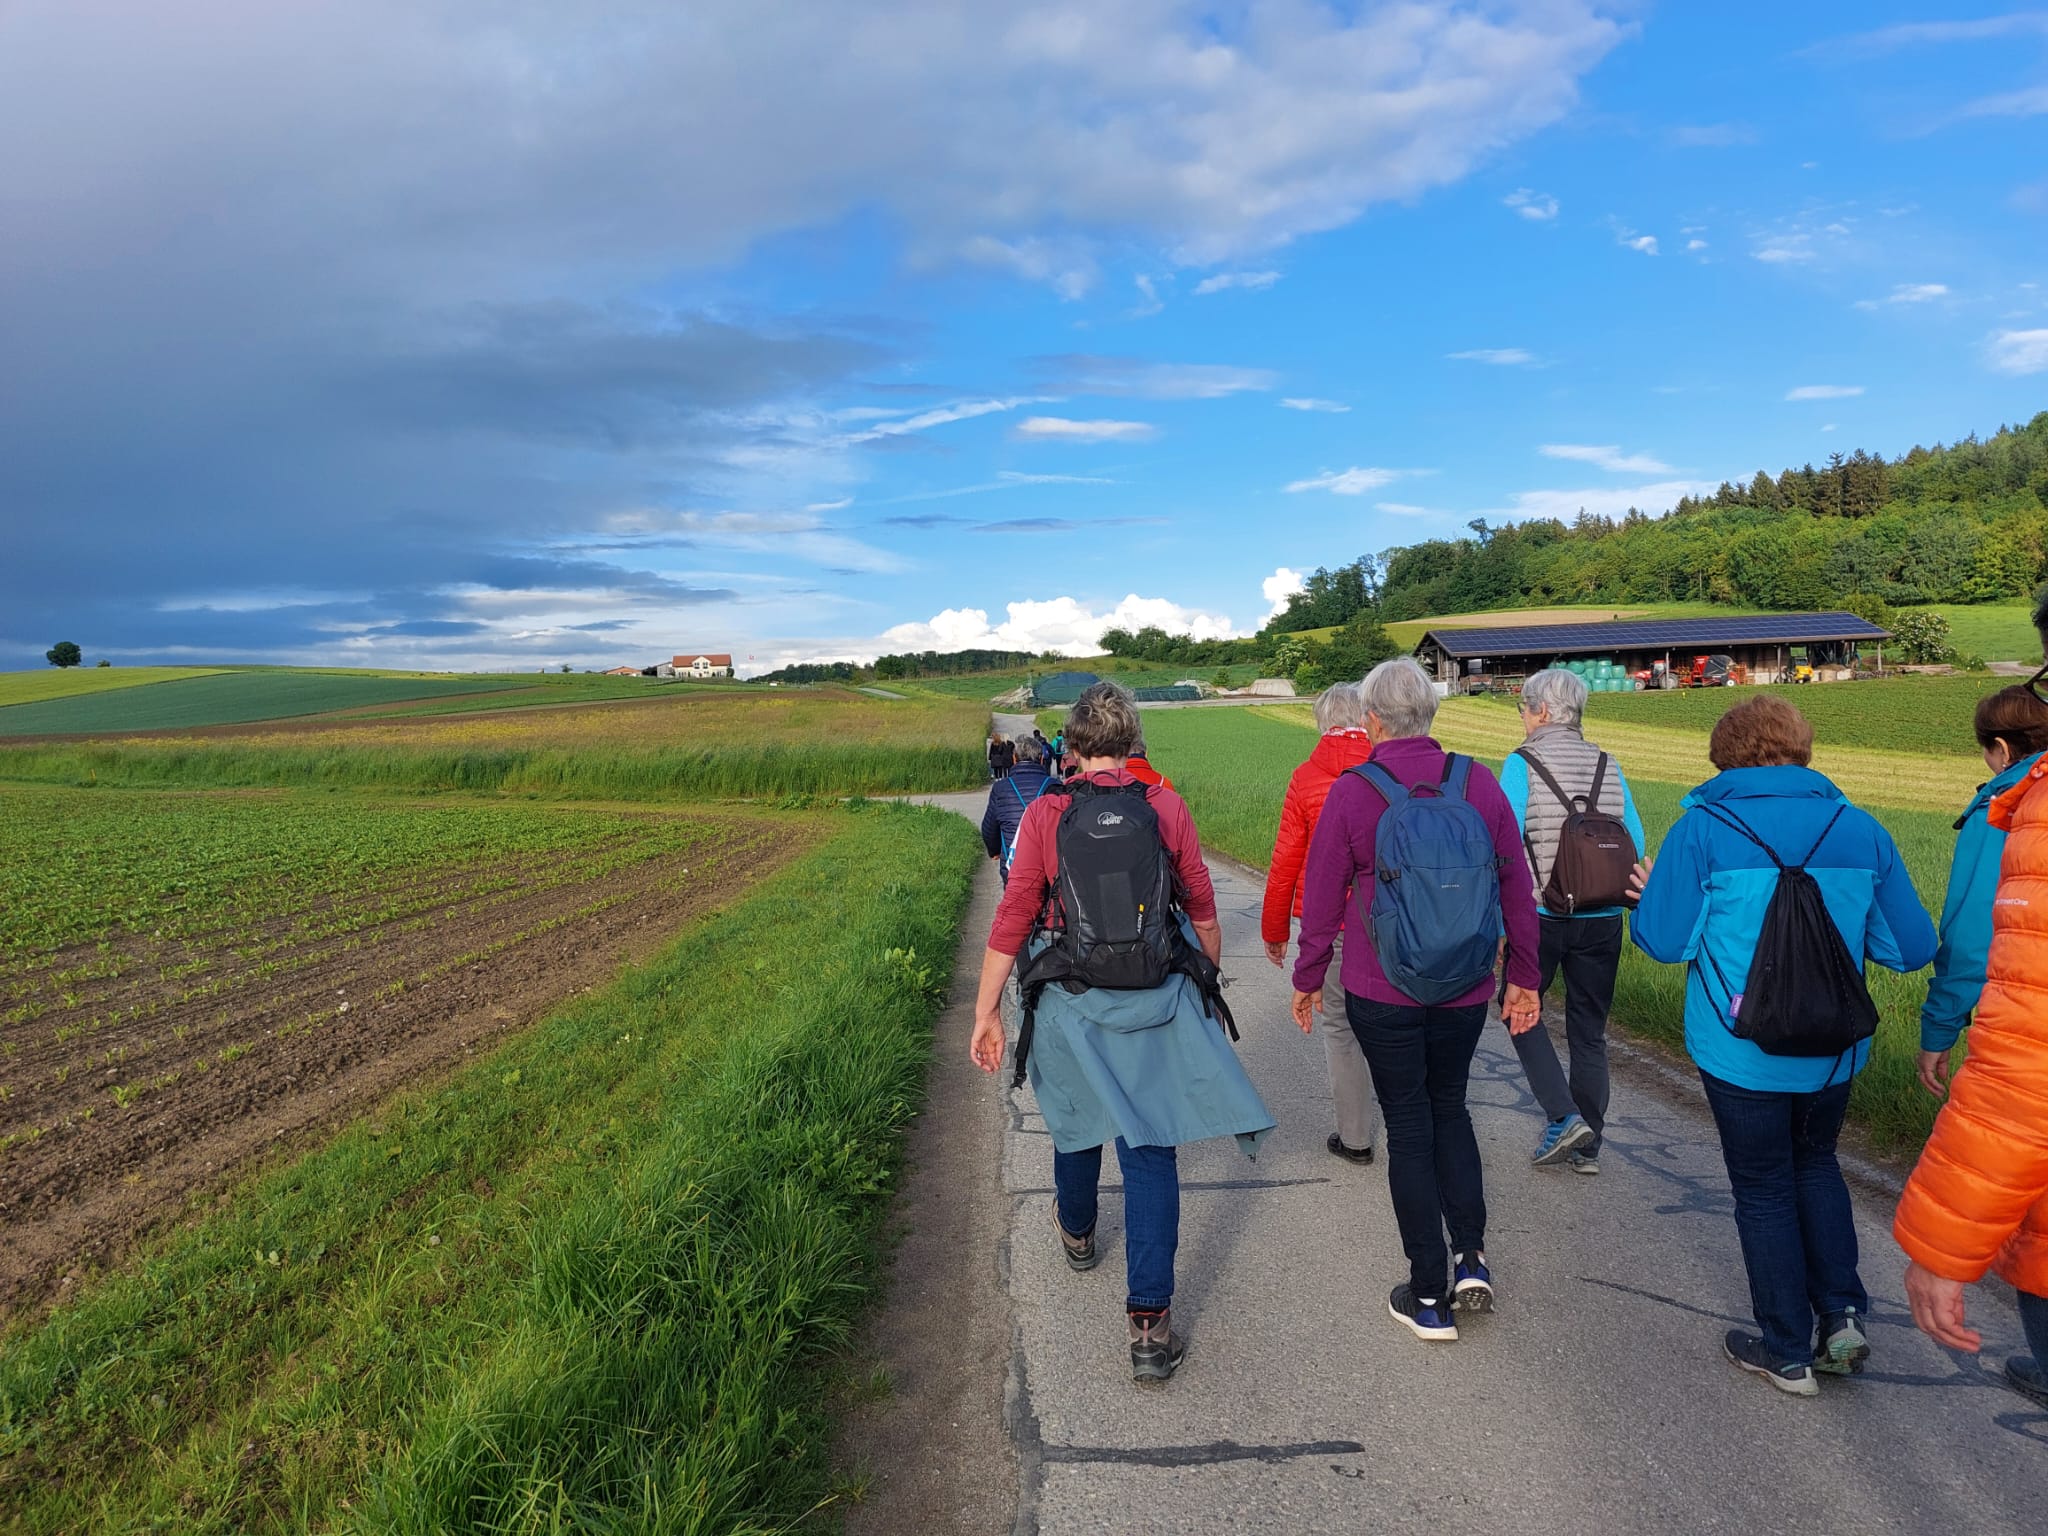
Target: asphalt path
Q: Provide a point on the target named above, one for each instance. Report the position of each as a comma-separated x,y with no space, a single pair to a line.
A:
1594,1400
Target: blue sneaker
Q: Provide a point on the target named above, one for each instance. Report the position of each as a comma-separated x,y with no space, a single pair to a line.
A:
1561,1138
1472,1290
1426,1318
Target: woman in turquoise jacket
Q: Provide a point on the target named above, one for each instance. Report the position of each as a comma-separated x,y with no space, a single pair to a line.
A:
1779,1117
2012,729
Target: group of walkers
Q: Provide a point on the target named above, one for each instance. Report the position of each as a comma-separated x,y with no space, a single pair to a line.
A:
1426,889
1004,752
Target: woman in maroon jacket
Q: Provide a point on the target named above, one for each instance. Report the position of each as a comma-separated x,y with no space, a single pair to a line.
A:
1342,744
1421,1056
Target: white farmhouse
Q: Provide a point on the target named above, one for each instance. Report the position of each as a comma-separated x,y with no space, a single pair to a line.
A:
710,664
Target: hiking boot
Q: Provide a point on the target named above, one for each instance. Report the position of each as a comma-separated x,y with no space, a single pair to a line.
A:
1842,1346
1425,1317
1156,1350
1472,1289
1747,1351
1561,1138
1359,1155
1587,1163
2027,1378
1080,1251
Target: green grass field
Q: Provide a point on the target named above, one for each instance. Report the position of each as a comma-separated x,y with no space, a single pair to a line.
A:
1924,715
1994,631
73,682
595,1282
224,698
1232,766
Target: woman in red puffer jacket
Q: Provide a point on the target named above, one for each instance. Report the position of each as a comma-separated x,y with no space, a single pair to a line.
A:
1341,719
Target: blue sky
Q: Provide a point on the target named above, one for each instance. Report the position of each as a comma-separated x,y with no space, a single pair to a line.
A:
457,336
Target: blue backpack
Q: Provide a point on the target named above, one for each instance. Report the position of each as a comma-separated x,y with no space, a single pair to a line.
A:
1435,910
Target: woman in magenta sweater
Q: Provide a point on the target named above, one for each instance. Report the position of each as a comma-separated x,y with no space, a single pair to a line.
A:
1420,1055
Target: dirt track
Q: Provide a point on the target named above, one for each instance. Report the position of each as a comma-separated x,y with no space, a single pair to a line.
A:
284,1054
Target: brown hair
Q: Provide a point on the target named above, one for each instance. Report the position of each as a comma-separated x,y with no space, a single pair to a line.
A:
1763,732
1103,722
2017,717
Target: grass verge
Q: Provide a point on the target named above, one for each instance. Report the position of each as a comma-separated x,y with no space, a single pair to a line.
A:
585,1285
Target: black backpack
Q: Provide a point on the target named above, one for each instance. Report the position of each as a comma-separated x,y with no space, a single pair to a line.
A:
1805,994
1595,854
1118,927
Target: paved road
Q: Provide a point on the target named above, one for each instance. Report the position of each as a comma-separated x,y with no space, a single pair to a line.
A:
1595,1400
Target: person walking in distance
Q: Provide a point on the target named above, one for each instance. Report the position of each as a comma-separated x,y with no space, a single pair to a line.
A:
1140,766
1341,745
1409,853
1123,1027
1008,799
1978,1198
1774,890
1582,835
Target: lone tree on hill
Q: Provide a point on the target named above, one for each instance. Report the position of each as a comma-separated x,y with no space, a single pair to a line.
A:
64,653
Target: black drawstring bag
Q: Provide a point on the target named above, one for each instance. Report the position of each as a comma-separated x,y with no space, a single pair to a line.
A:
1805,994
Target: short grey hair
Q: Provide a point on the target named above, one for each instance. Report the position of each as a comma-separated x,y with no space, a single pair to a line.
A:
1562,693
1028,748
1338,708
1401,694
1103,722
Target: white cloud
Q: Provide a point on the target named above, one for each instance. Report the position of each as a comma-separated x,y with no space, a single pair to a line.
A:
1065,265
1280,586
1085,374
1609,457
1227,280
1794,248
1695,244
1406,509
1824,392
938,416
1917,293
1537,206
1061,624
1917,33
1310,403
1061,429
1604,501
1498,357
799,535
1152,302
2020,351
1014,477
1349,482
1644,244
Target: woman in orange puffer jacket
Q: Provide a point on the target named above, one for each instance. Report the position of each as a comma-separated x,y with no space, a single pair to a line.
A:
1978,1198
1343,745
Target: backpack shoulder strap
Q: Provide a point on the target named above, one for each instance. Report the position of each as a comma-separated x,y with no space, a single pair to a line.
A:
1599,778
1457,775
1824,831
1734,823
1550,779
1391,789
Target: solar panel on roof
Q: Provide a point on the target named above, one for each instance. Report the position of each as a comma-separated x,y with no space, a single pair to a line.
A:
1747,629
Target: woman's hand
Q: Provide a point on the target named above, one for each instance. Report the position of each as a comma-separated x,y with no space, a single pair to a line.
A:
1937,1306
987,1045
1277,953
1306,1006
1521,1009
1934,1072
1640,876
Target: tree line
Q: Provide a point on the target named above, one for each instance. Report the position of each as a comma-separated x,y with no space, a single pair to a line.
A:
1961,523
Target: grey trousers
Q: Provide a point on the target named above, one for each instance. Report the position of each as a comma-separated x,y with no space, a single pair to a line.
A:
1358,1107
1588,951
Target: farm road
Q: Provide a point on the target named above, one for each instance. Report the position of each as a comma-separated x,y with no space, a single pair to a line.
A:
1595,1400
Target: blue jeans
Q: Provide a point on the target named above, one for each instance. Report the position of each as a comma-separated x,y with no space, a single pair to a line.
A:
1421,1060
1791,1208
1151,1213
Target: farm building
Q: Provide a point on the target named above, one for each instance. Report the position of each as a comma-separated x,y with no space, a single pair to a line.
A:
1762,648
711,664
621,671
1065,687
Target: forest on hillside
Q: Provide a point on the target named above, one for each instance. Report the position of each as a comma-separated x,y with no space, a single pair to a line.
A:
1961,523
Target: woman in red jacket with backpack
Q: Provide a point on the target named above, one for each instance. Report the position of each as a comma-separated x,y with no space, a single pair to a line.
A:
1340,718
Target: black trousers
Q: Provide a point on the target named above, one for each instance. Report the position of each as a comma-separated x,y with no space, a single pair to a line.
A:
1421,1060
1588,951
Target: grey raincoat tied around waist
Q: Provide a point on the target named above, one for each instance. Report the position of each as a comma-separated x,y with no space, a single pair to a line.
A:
1153,1067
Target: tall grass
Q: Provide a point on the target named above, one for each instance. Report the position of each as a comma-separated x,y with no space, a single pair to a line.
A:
836,767
587,1285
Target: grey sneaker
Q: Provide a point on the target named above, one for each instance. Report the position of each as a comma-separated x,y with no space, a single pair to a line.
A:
1156,1350
1587,1163
1842,1347
2027,1378
1080,1251
1747,1351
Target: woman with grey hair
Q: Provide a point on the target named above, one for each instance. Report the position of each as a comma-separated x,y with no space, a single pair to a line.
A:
1434,922
1580,938
1341,745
